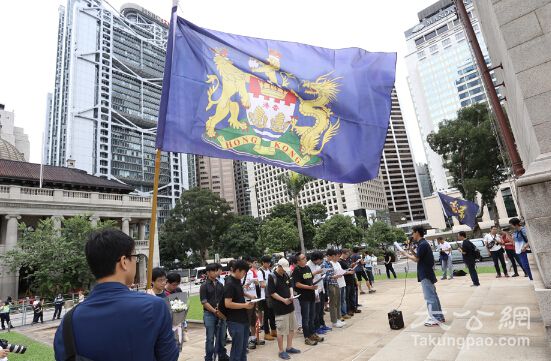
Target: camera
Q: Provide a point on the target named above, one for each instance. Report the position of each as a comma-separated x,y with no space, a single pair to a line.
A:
12,348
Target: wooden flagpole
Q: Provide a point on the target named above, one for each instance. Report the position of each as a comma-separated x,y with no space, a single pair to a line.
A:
153,223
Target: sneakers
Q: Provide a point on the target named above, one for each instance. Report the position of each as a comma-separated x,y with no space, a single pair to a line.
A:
372,291
317,338
443,278
346,317
498,276
320,331
252,345
292,350
431,323
362,293
506,275
260,342
269,337
325,328
339,324
299,330
357,311
515,275
310,342
284,356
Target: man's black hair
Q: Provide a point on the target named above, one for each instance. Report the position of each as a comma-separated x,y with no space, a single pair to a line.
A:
231,263
331,252
105,248
494,226
266,259
316,256
240,265
212,267
173,277
355,249
157,272
419,229
248,259
514,221
463,234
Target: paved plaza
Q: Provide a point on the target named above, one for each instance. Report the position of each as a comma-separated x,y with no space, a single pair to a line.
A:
500,310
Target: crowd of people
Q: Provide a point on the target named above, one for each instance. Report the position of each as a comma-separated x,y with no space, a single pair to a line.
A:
279,298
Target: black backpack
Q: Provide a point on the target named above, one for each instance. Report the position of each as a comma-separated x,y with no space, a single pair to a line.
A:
69,338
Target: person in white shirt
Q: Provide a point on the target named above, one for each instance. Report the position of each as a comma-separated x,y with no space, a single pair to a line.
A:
251,281
316,259
493,242
445,257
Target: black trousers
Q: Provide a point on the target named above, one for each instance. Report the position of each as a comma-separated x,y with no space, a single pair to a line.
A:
5,317
38,316
513,256
318,320
351,305
269,319
57,311
389,269
472,272
498,257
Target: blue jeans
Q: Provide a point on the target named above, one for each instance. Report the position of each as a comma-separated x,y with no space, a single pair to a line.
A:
239,333
433,302
308,314
523,258
216,329
447,265
344,309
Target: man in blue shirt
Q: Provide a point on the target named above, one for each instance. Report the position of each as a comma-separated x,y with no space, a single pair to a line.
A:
425,275
114,323
521,245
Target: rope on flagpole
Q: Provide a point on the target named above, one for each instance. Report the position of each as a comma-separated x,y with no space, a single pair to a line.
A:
153,223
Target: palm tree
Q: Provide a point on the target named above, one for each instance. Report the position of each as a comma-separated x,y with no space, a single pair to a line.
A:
295,182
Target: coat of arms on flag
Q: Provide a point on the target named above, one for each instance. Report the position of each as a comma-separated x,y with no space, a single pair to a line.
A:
279,125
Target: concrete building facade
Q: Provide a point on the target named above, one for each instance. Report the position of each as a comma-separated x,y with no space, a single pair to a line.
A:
518,35
15,136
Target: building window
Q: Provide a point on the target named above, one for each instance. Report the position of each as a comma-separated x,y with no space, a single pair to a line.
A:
460,35
430,35
419,41
446,42
509,202
434,49
421,55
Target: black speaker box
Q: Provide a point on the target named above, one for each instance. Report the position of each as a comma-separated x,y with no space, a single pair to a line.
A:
396,320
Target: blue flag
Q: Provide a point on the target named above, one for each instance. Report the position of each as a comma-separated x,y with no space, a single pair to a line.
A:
464,211
317,111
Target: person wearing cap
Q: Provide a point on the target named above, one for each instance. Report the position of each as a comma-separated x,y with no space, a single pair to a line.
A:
279,290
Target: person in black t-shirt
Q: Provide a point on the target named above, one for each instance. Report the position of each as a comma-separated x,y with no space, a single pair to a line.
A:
468,249
235,308
304,286
349,278
425,275
388,264
278,292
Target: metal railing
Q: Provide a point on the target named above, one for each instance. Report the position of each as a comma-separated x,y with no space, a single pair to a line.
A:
22,313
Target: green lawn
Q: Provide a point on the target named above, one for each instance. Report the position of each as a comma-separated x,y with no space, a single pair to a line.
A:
413,271
195,311
36,351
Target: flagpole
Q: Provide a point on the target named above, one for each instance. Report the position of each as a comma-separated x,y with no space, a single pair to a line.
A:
153,223
42,162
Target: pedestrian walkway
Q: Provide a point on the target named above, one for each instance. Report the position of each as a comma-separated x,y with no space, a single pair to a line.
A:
368,336
500,310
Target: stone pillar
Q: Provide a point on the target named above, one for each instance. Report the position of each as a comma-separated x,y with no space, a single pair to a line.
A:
94,221
57,221
141,230
126,225
9,280
11,231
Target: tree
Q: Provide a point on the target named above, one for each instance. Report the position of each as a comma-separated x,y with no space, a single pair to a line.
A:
295,182
380,233
241,238
54,259
316,213
338,230
471,151
278,235
196,223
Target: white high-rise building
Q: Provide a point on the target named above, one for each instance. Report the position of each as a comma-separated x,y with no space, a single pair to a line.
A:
443,76
13,135
266,191
105,104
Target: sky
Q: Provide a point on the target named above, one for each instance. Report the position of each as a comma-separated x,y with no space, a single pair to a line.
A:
28,42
